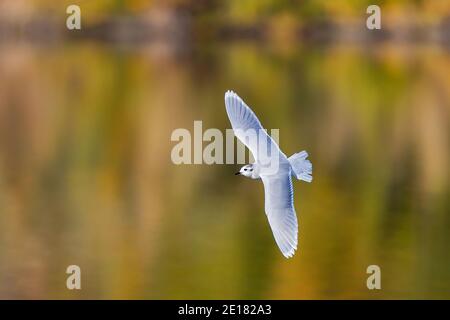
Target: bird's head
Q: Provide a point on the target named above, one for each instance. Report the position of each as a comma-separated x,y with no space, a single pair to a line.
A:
246,170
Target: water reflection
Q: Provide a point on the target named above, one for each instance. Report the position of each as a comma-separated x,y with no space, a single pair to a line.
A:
86,176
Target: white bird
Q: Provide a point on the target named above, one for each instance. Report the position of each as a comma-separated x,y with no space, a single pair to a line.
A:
279,195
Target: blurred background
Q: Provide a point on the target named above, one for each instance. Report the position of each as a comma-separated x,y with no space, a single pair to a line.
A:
86,176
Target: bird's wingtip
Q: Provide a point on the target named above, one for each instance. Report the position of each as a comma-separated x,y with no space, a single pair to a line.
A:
290,253
229,93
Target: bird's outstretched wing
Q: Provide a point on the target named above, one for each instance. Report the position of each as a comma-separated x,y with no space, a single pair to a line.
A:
245,124
280,211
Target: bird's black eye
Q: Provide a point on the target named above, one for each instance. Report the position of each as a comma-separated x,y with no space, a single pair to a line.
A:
245,169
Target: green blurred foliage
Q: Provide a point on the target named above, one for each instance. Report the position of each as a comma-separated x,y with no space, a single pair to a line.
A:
249,11
86,176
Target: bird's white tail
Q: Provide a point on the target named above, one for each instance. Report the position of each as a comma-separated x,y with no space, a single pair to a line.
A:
301,166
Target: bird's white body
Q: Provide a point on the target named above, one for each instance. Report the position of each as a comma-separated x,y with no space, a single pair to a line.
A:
275,173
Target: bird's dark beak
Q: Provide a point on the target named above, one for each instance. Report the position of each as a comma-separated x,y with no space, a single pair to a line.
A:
237,173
